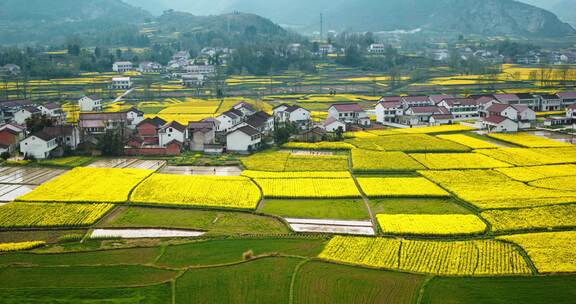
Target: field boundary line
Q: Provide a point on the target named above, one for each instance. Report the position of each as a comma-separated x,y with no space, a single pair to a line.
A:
293,280
420,298
523,253
364,197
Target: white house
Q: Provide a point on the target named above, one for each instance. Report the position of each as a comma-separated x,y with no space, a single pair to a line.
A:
51,110
121,83
150,67
122,66
66,136
568,98
206,70
416,101
26,112
499,124
38,145
134,117
332,124
192,80
261,121
349,113
377,49
291,113
246,108
244,140
389,111
461,108
550,102
229,119
571,111
522,114
172,131
90,104
422,115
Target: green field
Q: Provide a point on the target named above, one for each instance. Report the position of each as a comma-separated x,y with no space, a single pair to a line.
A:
319,283
260,281
110,257
156,294
535,290
230,251
417,206
214,222
320,209
82,276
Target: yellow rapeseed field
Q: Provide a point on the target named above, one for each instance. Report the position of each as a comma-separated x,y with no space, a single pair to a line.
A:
567,183
448,161
458,258
534,156
289,175
431,224
316,163
407,143
528,140
308,188
435,130
400,187
528,174
318,146
376,161
547,217
266,161
551,252
205,191
51,214
488,189
7,247
92,185
468,141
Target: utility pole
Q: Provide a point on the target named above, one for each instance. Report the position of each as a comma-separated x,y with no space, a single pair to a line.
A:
321,27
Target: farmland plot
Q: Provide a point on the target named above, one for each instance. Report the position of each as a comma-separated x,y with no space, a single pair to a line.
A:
431,224
89,185
206,191
308,188
528,174
331,226
9,193
376,161
25,215
551,252
467,258
400,187
533,156
438,161
28,176
408,143
539,218
469,141
528,141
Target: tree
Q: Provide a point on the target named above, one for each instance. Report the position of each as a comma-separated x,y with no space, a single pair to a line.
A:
111,143
38,123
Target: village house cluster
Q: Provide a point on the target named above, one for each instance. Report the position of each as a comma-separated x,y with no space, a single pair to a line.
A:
495,112
245,129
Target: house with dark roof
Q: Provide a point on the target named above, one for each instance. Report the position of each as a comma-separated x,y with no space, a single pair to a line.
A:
349,113
571,112
389,110
521,114
568,98
499,124
90,104
10,137
416,101
66,136
95,123
415,116
291,113
550,102
25,113
148,129
172,131
261,121
38,145
245,139
229,119
332,125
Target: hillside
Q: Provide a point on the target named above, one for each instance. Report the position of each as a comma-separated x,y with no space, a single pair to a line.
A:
488,17
48,22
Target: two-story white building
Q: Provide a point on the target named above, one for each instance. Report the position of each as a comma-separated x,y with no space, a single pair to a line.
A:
499,124
389,111
571,111
38,145
122,66
349,113
521,114
150,67
121,83
285,113
90,104
229,119
172,131
461,108
550,102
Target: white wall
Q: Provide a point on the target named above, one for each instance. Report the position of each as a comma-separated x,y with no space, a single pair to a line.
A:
37,147
239,141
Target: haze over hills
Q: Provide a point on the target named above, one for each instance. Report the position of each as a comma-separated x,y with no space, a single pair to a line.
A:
488,17
110,22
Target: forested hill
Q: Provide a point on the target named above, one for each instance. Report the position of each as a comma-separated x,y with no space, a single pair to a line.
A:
486,17
115,23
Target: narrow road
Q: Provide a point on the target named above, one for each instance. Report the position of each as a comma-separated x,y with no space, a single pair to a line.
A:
364,197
